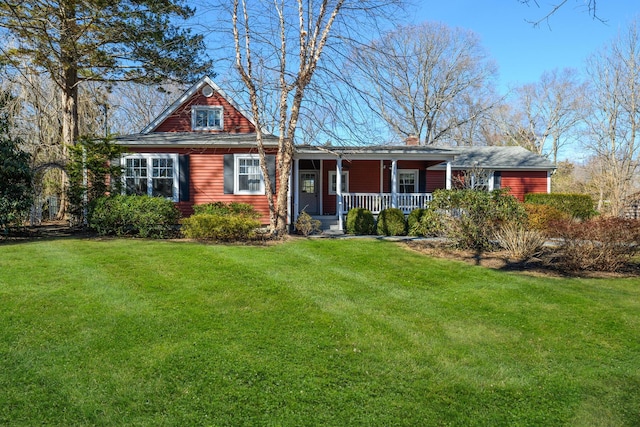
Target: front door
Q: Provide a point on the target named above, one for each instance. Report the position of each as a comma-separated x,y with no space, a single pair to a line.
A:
309,192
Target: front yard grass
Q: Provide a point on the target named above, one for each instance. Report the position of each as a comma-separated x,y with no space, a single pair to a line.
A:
308,332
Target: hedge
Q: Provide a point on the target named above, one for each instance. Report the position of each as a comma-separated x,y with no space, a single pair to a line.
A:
578,206
141,216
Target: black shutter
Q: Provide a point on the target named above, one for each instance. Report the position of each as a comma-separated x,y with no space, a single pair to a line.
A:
183,179
497,180
271,167
422,181
228,173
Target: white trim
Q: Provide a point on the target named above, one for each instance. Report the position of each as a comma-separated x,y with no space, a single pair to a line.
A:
416,179
236,175
196,108
294,179
332,174
149,157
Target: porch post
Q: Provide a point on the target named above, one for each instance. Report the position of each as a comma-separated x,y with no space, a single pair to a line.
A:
548,182
448,176
295,180
339,191
394,183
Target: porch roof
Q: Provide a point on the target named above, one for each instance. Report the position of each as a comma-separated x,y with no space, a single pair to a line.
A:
376,152
191,139
499,158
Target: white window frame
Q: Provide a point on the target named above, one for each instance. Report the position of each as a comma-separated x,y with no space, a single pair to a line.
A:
236,174
414,172
150,157
333,182
196,108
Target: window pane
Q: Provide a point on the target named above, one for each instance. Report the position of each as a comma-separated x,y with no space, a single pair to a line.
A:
162,187
249,175
136,186
407,182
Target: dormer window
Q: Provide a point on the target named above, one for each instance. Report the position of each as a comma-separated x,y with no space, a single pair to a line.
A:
204,117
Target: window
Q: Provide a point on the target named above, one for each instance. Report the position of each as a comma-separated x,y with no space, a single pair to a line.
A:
151,174
248,179
333,185
206,118
135,176
407,181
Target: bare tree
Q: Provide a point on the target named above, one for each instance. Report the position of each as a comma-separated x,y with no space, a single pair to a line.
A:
288,38
550,110
426,80
613,125
590,6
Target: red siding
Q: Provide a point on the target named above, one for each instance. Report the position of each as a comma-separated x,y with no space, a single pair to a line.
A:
520,183
436,180
180,120
206,180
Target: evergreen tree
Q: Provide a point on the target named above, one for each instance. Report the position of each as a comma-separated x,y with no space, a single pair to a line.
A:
15,175
98,40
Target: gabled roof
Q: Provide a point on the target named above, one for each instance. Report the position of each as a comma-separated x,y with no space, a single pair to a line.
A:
498,158
186,96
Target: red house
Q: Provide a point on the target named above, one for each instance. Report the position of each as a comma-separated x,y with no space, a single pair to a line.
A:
202,149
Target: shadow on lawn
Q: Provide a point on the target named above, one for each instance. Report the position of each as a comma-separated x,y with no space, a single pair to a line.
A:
47,231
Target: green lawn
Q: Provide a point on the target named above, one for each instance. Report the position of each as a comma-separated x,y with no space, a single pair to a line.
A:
309,332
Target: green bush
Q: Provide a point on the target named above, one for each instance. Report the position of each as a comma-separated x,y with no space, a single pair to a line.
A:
578,206
471,217
539,217
414,217
429,224
225,228
306,225
141,216
222,208
391,222
360,221
16,193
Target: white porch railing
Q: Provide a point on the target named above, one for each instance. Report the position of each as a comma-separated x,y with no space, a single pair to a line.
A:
375,202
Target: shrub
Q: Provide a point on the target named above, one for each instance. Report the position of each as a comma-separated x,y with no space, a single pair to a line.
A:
16,194
142,216
601,244
306,225
428,224
520,242
578,206
220,227
414,217
360,221
539,217
472,217
222,208
391,222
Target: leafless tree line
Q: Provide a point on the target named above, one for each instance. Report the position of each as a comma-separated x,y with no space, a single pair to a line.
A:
321,72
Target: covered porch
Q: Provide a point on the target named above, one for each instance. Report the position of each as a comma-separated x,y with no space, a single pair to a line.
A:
329,181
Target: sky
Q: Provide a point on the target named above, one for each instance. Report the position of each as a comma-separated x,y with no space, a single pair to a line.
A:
521,50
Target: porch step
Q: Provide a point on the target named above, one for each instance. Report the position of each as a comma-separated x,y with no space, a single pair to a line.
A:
328,223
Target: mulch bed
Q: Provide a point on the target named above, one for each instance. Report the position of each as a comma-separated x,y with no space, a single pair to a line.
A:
542,265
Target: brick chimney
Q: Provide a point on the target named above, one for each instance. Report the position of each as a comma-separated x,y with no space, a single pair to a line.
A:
412,140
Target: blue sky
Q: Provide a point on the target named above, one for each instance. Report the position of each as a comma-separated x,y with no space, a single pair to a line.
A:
523,52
